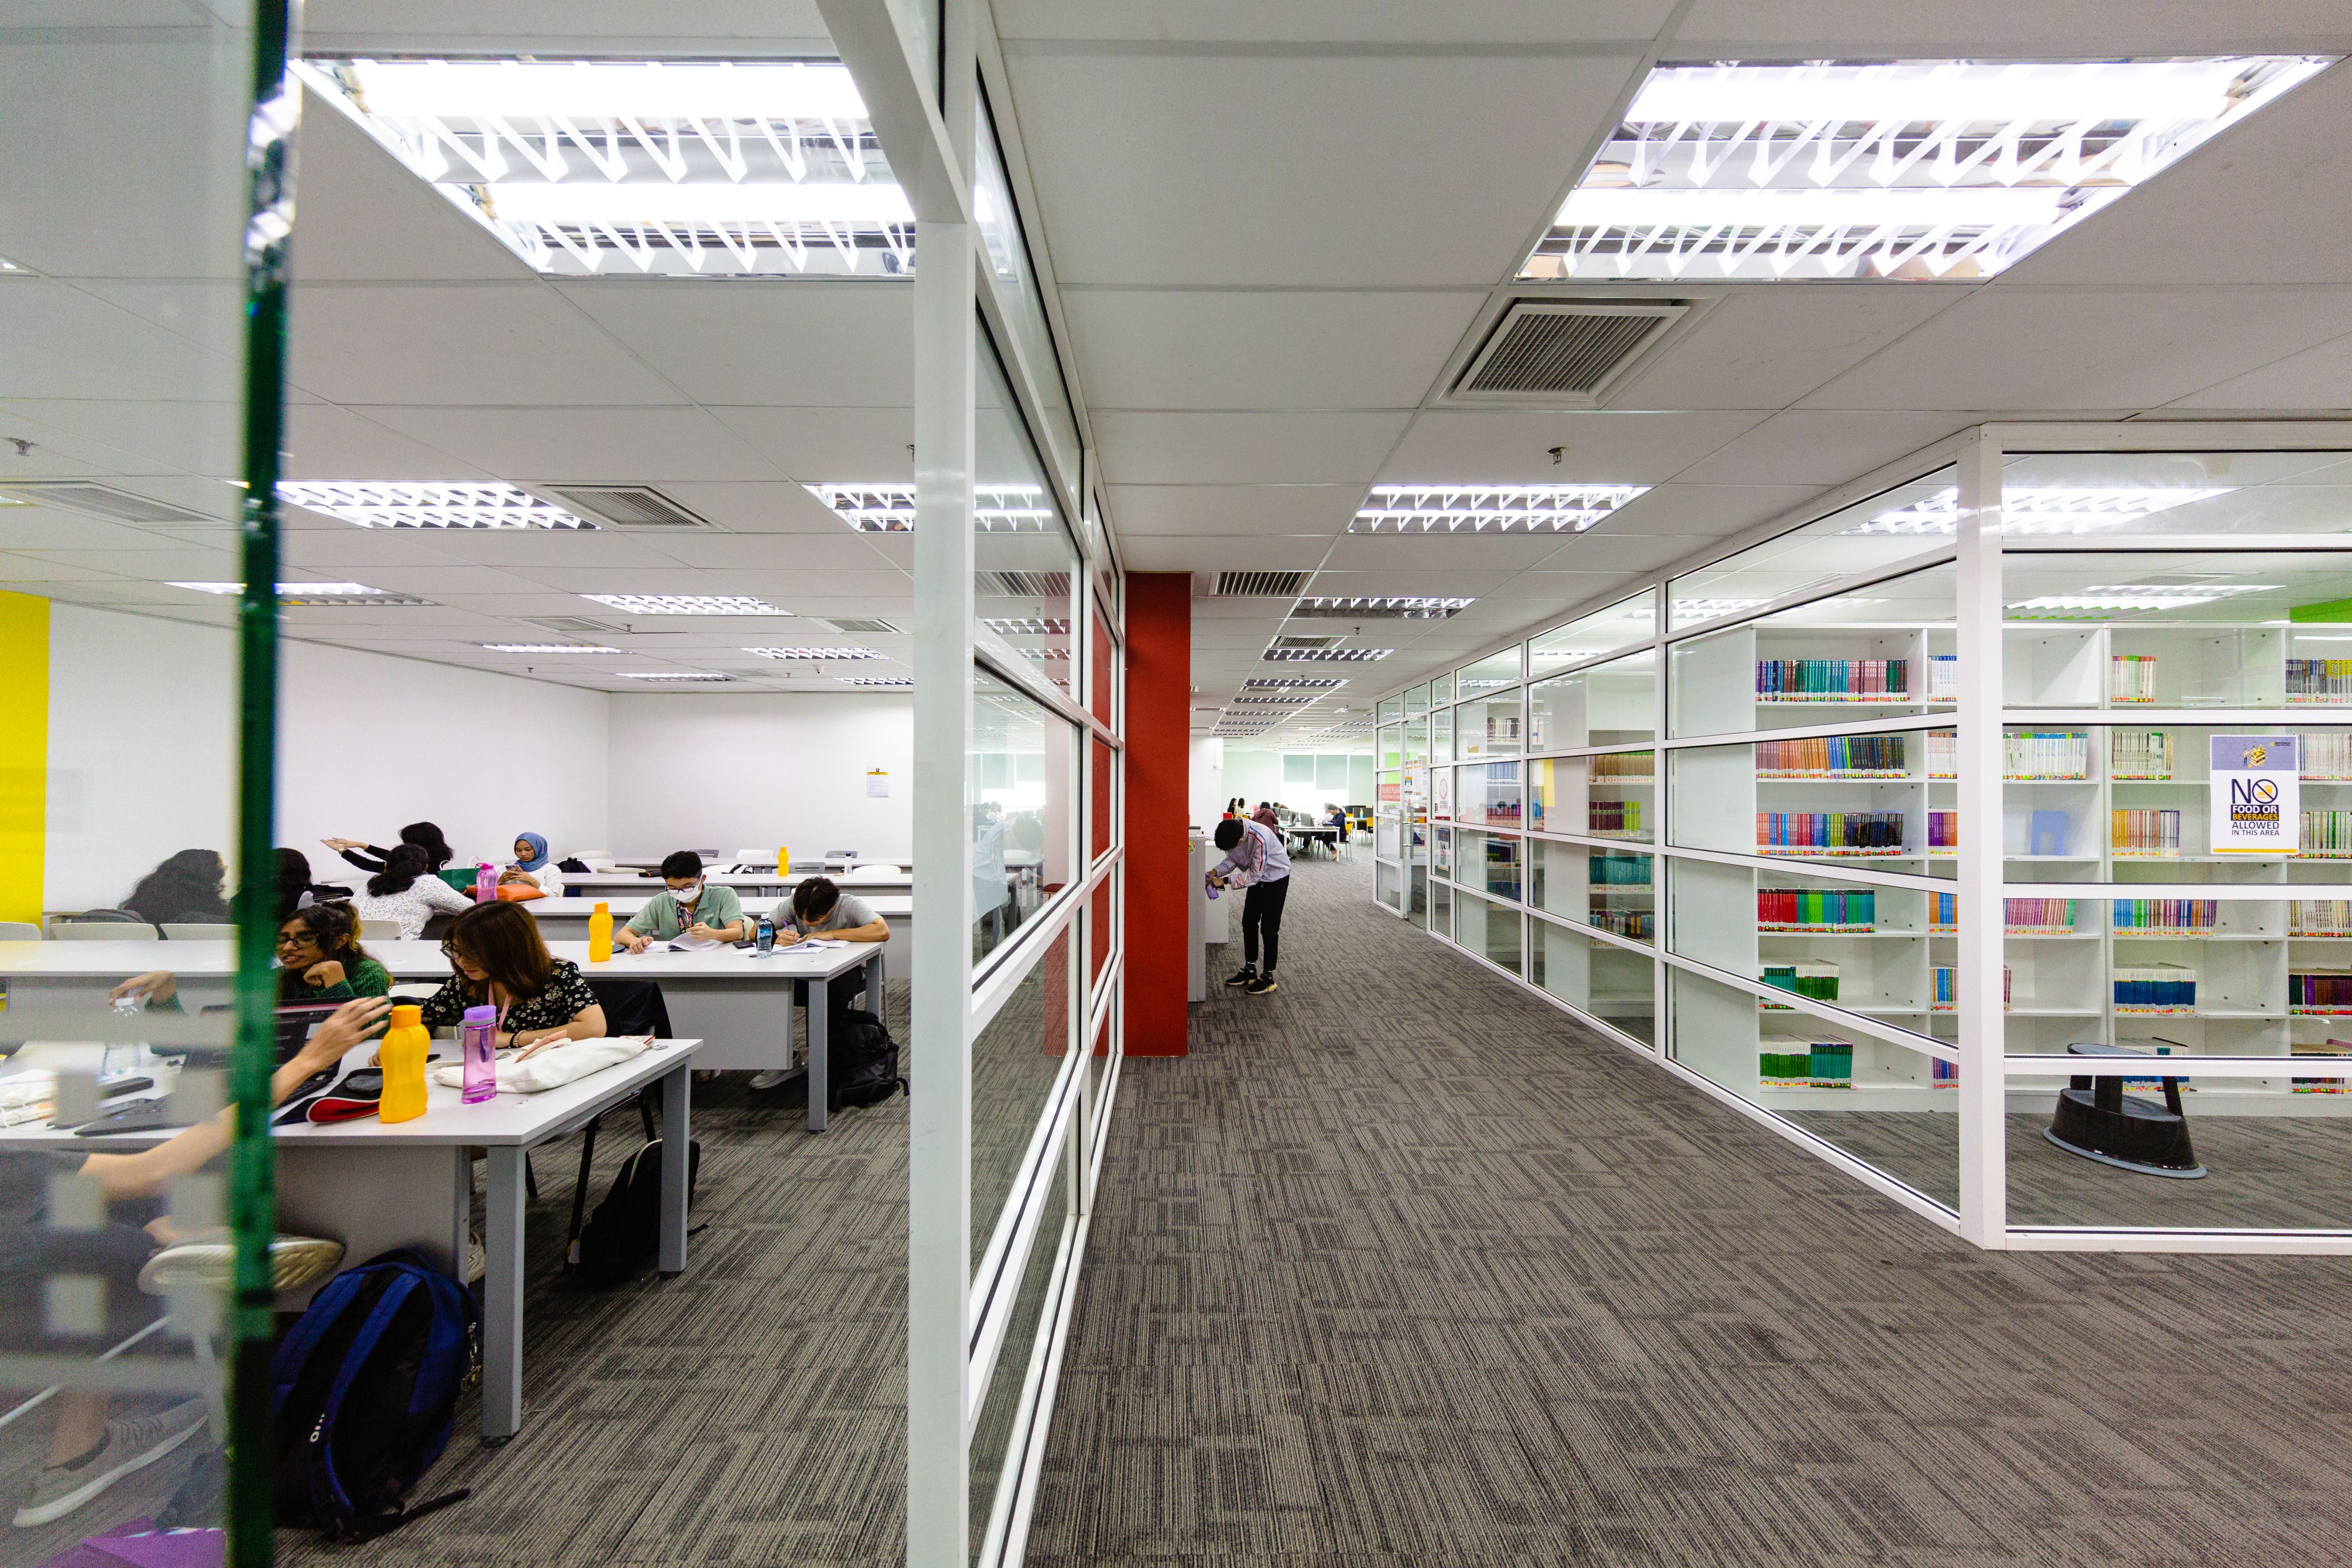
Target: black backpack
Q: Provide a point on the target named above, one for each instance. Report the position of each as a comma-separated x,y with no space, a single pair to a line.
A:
364,1391
863,1069
625,1230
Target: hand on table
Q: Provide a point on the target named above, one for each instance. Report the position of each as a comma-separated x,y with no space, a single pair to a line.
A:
630,940
702,931
352,1024
154,986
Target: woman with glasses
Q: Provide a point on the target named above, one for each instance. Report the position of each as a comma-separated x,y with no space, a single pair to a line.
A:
320,960
501,962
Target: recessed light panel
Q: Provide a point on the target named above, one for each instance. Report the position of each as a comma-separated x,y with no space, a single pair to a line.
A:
317,595
890,509
1028,626
1922,169
875,680
1325,655
546,648
674,675
1391,607
685,604
584,167
1293,683
814,655
377,505
1488,508
2097,602
2039,509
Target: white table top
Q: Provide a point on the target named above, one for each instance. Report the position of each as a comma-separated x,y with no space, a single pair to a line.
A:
424,961
650,884
888,905
510,1119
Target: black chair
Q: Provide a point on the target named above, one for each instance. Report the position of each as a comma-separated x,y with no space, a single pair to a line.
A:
630,1006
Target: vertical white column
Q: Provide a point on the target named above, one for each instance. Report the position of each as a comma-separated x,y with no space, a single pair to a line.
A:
1984,1204
1661,874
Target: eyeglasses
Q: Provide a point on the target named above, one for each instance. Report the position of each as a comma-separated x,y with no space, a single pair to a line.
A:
296,939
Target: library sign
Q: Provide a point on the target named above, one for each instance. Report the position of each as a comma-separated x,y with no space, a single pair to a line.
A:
2257,801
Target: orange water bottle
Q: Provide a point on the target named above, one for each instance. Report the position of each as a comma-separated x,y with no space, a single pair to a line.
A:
402,1057
783,860
600,934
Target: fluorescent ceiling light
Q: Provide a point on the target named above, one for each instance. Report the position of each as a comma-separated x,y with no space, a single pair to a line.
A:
1478,509
747,169
674,675
2123,598
1324,655
1707,609
1910,170
2039,509
546,648
459,504
1293,683
313,595
1391,607
814,655
889,509
876,680
685,604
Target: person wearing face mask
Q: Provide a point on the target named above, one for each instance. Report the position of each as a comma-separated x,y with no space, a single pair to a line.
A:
690,907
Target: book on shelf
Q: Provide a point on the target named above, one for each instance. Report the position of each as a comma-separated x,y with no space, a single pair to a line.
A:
1624,766
1944,1074
2155,988
2319,917
1810,977
2326,835
2327,757
2322,1085
1943,829
1819,910
2131,678
1830,832
1943,913
2139,754
1636,923
1943,677
1832,680
1831,756
2044,753
1943,754
2319,680
2319,991
2150,1085
1947,982
2034,917
1613,816
2166,917
1786,1064
1606,870
2146,833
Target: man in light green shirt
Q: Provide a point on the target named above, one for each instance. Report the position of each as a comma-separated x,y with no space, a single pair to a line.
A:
690,907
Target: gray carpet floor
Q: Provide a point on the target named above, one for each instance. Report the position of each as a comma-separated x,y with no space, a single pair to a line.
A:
1403,1266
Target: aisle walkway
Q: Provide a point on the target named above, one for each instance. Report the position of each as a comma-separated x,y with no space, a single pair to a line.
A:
1401,1267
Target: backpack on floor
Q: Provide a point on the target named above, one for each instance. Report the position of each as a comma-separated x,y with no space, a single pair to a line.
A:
622,1235
863,1069
364,1392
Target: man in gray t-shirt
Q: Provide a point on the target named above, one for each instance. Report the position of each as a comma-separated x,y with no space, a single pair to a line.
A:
819,908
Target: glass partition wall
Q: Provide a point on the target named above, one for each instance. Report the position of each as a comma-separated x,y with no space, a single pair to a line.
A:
1988,833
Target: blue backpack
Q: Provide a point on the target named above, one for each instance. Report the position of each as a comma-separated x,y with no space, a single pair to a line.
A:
364,1388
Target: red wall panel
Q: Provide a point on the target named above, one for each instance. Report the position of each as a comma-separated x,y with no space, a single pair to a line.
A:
1158,765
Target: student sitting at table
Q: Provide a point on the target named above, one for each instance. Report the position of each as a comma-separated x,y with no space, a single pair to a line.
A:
190,886
534,865
406,891
321,959
819,908
690,907
501,962
426,836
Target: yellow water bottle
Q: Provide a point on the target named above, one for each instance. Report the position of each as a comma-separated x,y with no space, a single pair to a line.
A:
402,1057
783,860
600,934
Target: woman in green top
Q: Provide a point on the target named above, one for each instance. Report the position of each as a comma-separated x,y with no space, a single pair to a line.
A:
321,959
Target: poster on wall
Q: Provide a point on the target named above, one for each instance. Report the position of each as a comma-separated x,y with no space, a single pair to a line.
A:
1441,794
2256,793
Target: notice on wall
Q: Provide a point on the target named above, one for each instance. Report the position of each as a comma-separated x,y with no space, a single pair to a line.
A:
878,784
2257,796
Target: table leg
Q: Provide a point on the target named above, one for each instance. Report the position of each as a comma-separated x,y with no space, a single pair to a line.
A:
819,1008
502,1299
675,1149
461,1211
877,979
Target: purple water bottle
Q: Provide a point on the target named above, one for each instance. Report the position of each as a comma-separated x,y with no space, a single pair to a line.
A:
478,1039
486,883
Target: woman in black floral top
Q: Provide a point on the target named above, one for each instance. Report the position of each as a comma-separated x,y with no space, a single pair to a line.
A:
501,962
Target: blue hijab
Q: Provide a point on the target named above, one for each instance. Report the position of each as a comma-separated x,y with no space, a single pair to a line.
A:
538,852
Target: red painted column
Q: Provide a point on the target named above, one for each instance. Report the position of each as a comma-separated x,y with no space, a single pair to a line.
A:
1158,765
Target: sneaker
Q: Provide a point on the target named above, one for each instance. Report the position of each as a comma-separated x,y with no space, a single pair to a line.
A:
58,1489
1261,985
1242,976
770,1080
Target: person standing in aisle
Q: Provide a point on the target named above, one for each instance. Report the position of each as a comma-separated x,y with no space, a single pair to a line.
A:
1255,860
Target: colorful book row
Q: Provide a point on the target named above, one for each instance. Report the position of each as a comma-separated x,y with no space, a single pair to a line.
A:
1830,832
1832,680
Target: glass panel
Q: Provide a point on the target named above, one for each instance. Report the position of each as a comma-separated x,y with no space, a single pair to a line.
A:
1441,690
1102,935
1017,286
1611,889
1391,709
1487,728
1441,736
1105,1041
1887,528
1886,1105
1611,795
1888,648
1490,674
1022,778
1417,702
1392,751
1489,862
1869,949
1818,798
1604,705
1443,852
1017,1059
1387,840
1441,909
1103,672
1388,884
1441,794
1416,741
1417,910
1627,621
2178,493
1487,792
1488,929
993,1465
1595,978
1024,562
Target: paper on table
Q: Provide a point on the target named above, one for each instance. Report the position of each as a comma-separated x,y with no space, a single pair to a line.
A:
816,942
682,943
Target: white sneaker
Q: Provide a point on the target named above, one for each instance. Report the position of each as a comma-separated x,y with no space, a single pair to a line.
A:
129,1446
770,1080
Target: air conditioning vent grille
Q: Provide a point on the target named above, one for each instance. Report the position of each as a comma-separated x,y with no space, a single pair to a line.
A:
576,625
1259,584
101,501
1572,350
1024,584
629,506
864,628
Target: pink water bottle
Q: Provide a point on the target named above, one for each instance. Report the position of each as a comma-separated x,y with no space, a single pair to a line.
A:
478,1038
486,883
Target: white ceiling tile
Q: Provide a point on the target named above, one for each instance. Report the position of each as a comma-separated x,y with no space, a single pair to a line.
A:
1688,508
820,445
583,445
1165,552
1604,446
731,29
1322,509
459,345
365,218
793,343
1999,29
1492,552
1603,549
1767,345
1222,348
1249,449
324,441
840,549
1813,449
1464,580
2318,378
1327,21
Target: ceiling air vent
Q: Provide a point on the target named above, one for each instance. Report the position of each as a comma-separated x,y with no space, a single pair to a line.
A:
99,501
1024,584
1563,353
629,506
864,628
576,625
1258,584
1308,642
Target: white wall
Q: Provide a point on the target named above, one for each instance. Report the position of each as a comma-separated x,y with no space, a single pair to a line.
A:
368,742
1205,786
1258,776
795,768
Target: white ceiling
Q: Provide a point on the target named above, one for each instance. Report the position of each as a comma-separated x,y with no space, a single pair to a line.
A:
1274,228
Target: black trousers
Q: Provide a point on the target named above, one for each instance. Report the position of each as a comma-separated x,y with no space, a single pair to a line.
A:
1262,916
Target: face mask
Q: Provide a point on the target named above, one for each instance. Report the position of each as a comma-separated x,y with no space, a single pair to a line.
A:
687,894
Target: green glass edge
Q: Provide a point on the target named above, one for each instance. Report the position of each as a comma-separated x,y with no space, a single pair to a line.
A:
270,168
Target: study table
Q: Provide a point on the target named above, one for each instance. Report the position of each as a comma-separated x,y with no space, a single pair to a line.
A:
374,1186
760,884
566,918
726,995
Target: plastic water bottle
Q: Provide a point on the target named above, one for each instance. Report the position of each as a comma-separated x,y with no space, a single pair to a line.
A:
765,935
600,934
478,1039
486,883
402,1057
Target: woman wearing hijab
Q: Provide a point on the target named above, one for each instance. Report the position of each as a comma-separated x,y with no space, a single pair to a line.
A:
533,864
426,836
190,886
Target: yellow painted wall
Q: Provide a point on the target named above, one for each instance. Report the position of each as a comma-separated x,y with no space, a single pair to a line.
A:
23,753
